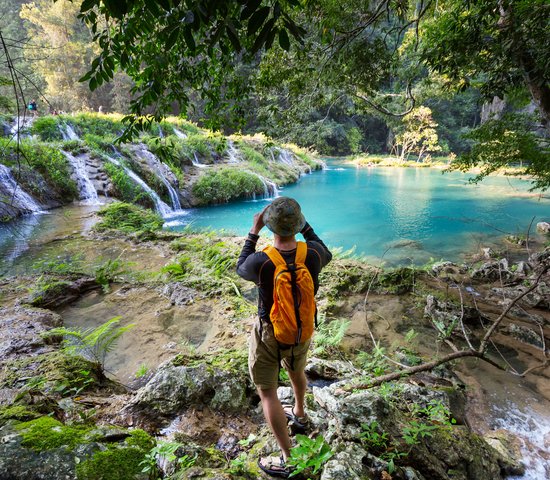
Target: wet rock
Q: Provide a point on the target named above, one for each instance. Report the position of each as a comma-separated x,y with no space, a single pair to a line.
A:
318,368
543,227
525,335
508,446
538,298
179,294
491,271
540,258
446,315
523,268
515,240
174,388
20,329
441,269
61,292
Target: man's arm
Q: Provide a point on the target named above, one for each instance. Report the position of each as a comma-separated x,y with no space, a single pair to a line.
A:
310,236
247,267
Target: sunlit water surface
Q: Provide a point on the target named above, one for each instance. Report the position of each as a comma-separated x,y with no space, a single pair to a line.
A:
398,214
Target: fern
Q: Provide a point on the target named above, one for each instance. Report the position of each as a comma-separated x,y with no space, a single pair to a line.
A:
329,335
94,343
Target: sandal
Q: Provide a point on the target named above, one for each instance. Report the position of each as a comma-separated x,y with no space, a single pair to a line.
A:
300,424
274,466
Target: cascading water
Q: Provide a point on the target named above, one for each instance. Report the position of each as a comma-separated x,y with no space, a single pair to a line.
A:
15,194
162,169
19,125
68,133
86,189
233,154
160,206
271,190
179,133
196,161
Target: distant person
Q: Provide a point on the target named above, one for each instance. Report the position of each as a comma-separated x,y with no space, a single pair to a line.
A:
33,107
282,333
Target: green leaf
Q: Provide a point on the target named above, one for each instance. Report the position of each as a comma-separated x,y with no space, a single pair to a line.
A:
189,40
233,38
284,41
263,36
251,7
88,5
172,39
257,20
117,8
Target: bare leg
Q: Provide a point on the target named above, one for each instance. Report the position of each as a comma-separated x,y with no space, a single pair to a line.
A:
299,385
275,416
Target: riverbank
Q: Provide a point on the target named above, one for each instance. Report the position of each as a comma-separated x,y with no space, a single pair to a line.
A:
184,361
173,165
439,163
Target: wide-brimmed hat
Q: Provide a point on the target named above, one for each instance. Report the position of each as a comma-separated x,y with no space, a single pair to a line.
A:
284,217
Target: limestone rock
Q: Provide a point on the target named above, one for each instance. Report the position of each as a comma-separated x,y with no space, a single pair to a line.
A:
59,293
447,268
175,388
491,271
543,227
347,465
20,329
179,294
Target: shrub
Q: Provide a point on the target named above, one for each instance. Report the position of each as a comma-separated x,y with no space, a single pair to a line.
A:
128,218
125,188
47,128
53,166
226,184
100,125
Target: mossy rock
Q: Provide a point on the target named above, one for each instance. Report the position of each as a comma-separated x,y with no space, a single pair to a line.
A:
17,412
47,448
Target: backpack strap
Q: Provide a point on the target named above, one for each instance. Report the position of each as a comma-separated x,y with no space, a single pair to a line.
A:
275,256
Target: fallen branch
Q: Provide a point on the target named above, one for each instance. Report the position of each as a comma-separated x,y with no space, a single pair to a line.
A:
479,353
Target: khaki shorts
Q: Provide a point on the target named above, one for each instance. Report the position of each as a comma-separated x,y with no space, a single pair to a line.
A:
264,354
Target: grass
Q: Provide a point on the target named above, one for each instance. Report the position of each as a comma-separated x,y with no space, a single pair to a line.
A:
128,218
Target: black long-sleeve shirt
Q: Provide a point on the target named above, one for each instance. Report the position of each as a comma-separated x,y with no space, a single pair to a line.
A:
258,268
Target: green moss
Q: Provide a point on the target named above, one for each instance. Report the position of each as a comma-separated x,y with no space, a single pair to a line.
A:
128,218
17,412
46,433
117,462
235,361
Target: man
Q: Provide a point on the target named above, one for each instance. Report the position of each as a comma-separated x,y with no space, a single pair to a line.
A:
284,218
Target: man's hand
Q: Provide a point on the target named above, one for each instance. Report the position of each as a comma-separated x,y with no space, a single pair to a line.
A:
258,222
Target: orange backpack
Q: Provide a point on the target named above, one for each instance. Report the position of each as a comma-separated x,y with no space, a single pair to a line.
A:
293,311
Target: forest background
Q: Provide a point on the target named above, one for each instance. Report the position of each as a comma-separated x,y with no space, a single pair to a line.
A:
408,78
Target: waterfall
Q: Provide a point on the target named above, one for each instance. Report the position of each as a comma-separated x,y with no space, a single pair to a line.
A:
161,133
86,189
161,207
15,193
162,169
233,153
68,133
196,161
286,157
179,133
20,124
271,190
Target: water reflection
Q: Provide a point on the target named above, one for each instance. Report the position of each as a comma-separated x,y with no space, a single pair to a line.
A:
374,209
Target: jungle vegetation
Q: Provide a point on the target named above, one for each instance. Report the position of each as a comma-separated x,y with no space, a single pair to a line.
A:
412,78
